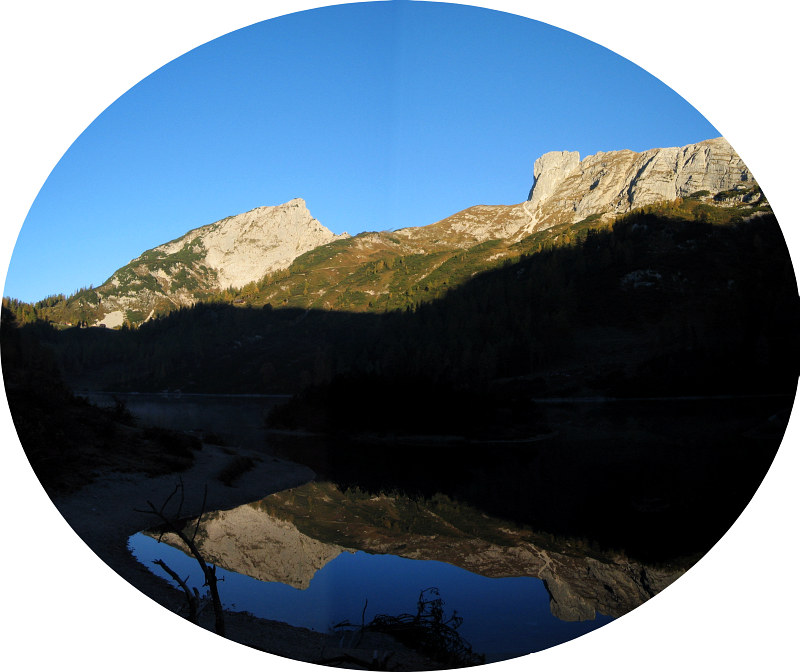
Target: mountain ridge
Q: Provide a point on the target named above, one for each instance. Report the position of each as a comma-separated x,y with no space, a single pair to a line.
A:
612,183
230,252
282,256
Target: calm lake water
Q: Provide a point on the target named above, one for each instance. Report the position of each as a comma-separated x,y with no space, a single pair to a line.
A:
237,419
313,556
503,617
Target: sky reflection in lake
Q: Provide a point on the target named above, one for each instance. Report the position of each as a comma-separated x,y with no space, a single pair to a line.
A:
503,617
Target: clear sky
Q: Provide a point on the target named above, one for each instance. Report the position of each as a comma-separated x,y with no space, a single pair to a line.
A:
379,115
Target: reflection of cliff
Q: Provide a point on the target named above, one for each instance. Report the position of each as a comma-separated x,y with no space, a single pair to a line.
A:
245,541
288,536
581,587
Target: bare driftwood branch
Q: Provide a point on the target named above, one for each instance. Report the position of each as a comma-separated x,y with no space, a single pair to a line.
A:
202,512
173,524
192,598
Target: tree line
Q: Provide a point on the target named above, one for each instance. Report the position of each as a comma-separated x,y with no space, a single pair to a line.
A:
656,304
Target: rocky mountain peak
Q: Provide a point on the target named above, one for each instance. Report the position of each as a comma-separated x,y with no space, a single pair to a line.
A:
567,189
231,252
550,170
245,247
242,249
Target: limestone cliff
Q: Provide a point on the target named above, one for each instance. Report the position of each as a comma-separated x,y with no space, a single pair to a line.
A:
362,273
243,248
566,189
232,252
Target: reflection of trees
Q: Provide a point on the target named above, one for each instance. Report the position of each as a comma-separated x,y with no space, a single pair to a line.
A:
661,301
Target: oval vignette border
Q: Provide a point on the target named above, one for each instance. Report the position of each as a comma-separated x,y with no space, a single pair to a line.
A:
732,609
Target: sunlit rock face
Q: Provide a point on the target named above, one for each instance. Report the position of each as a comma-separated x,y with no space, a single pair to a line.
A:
566,189
232,252
549,171
245,247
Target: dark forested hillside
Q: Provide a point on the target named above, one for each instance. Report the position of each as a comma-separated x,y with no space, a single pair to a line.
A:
66,439
371,272
665,302
447,394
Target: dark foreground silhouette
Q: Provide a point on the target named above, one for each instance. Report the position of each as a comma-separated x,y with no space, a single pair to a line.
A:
456,396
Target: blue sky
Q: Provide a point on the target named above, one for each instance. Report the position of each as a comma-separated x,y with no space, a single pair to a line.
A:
379,115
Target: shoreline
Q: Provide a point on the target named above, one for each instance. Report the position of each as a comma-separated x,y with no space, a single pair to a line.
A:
104,515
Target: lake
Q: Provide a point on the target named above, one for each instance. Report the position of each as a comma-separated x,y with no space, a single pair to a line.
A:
532,544
272,566
236,418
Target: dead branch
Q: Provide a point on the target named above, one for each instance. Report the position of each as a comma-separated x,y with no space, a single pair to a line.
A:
192,599
202,511
173,524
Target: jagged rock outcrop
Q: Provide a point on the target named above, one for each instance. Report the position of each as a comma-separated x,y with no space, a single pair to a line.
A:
568,190
549,171
232,252
243,248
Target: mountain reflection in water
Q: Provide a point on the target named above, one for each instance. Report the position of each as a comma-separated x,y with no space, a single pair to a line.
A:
311,556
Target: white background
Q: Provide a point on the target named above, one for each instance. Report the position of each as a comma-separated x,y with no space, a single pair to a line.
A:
64,62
